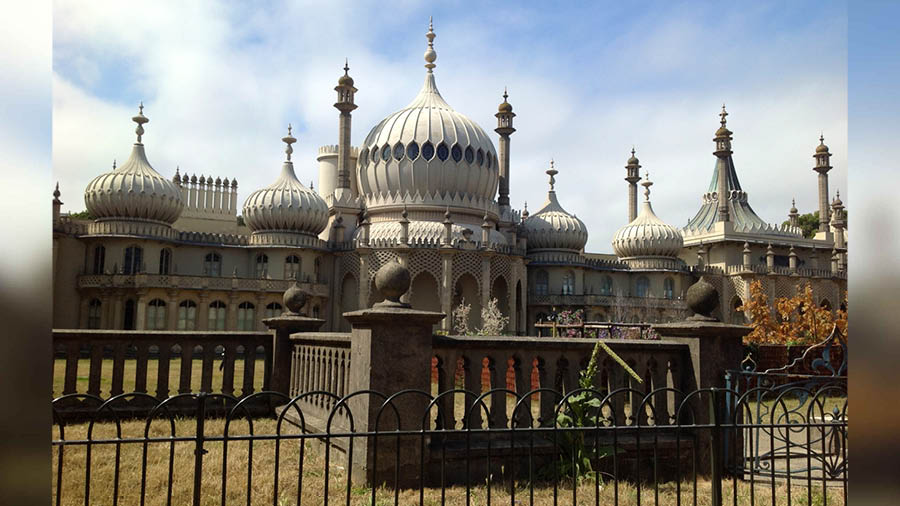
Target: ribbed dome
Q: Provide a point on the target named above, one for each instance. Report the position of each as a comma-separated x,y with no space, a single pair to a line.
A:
430,150
647,235
286,205
134,190
552,228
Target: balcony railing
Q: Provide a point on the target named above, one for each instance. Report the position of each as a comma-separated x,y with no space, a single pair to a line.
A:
195,282
604,300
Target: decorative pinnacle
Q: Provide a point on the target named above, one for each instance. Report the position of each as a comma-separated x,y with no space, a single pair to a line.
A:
430,54
632,150
346,66
505,95
289,140
822,138
647,184
722,115
56,193
552,172
140,119
114,164
447,215
404,214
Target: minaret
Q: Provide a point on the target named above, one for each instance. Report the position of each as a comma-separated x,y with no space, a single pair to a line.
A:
838,223
823,165
56,204
633,176
794,215
345,91
504,129
723,153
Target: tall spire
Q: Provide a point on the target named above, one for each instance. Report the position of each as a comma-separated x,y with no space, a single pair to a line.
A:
823,165
647,184
140,119
552,172
430,54
504,128
289,140
632,176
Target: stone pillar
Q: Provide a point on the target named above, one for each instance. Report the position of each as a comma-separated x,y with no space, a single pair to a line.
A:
792,259
140,311
84,308
260,310
364,278
231,312
390,333
172,310
290,321
202,322
117,314
746,254
770,258
447,287
485,282
513,299
335,287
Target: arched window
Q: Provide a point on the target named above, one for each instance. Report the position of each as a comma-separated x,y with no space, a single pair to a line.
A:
428,151
541,283
317,266
442,151
642,287
99,259
480,157
568,283
128,316
398,151
212,264
412,150
292,267
262,265
456,153
187,315
273,309
94,311
470,155
245,320
216,319
606,288
156,315
386,153
134,258
165,261
669,288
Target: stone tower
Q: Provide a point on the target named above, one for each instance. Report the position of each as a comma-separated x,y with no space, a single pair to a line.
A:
632,176
345,91
504,129
823,165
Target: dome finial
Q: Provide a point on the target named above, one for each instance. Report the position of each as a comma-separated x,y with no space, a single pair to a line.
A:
552,172
114,164
140,119
346,66
430,54
289,140
647,184
505,94
723,114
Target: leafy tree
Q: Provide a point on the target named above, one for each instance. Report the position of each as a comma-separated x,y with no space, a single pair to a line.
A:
809,223
82,215
797,320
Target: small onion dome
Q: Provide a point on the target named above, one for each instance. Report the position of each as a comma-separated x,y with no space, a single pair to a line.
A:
552,228
837,200
286,205
821,148
505,106
345,80
633,160
723,131
647,235
134,190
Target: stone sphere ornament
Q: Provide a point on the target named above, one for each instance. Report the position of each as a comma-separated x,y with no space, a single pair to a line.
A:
295,298
392,281
702,298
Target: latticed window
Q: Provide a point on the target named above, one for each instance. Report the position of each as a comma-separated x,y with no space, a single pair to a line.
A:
568,283
95,308
541,283
99,259
212,264
642,287
187,315
292,267
165,261
262,265
216,319
156,315
245,320
273,309
134,258
669,288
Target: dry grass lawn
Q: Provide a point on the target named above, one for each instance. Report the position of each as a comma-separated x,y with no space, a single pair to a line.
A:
260,480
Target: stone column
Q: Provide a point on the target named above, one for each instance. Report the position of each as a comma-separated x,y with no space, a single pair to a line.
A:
231,312
447,287
390,333
403,258
260,311
117,311
172,310
364,278
290,321
84,308
336,299
140,311
202,322
513,301
485,281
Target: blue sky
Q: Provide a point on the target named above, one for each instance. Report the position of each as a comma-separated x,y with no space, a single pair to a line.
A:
220,82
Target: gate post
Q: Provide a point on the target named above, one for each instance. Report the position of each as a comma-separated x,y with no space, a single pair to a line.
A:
391,350
291,320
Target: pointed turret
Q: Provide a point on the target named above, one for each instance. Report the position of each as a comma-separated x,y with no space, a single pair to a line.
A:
823,165
794,215
504,128
633,175
345,104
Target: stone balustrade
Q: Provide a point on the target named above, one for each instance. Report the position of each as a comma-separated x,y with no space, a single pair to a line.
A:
604,300
320,361
142,280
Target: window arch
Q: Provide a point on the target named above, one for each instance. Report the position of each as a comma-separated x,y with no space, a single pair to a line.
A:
262,265
541,283
273,309
642,287
187,315
292,267
212,264
216,318
245,319
156,315
568,283
99,259
134,259
95,308
606,287
165,261
669,288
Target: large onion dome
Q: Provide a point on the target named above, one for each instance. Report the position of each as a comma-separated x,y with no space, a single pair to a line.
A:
647,237
427,155
133,192
552,228
284,209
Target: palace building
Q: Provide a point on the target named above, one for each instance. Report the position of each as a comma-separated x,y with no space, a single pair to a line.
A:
428,188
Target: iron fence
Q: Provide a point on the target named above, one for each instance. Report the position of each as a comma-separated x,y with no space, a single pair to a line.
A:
601,447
